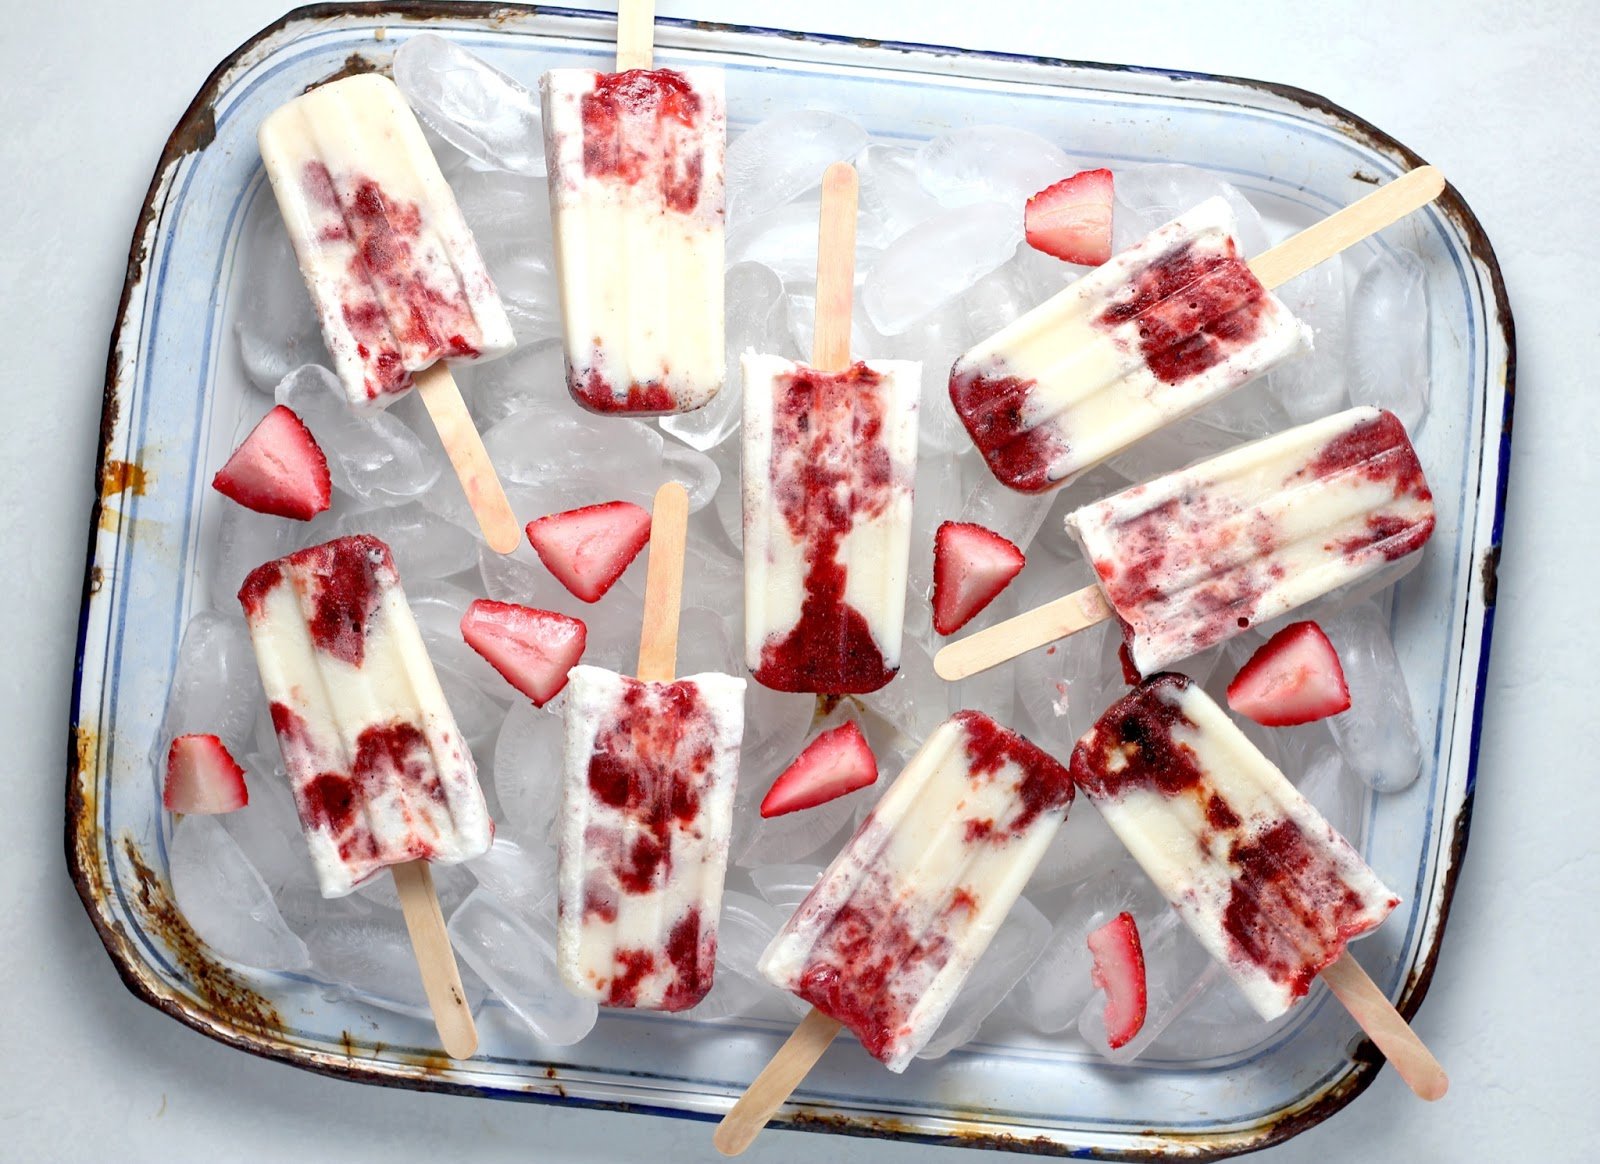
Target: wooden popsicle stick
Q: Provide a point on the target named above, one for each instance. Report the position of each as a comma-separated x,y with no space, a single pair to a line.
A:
464,447
636,21
830,352
778,1079
1376,1015
1383,207
663,584
441,979
836,268
1022,633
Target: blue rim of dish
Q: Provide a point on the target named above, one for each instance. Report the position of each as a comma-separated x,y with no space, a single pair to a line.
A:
82,838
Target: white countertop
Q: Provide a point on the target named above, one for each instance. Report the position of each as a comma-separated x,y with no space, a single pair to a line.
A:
1506,102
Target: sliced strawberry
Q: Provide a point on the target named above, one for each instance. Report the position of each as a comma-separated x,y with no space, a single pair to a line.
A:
1294,678
836,762
1119,971
588,549
1072,219
202,777
533,649
279,469
971,565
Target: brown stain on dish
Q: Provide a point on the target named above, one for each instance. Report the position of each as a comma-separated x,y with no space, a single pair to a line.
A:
1489,574
83,814
1362,176
195,134
122,477
550,1074
230,998
97,579
355,65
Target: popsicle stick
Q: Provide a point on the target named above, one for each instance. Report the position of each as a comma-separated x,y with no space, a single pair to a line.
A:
636,21
1015,636
464,447
1376,1015
663,584
441,980
836,268
777,1081
1383,207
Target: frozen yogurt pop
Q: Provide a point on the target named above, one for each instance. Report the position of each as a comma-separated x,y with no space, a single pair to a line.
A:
636,198
887,937
381,775
1266,885
1194,557
392,269
1175,322
651,765
830,454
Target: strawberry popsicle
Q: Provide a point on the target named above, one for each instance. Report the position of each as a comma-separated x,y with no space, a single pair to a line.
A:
1176,321
636,198
650,770
650,775
885,940
830,457
391,266
829,460
1170,324
1268,887
380,772
1194,557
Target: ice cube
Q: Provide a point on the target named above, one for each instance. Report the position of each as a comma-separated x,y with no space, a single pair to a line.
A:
784,887
937,260
1388,347
426,546
890,191
244,541
1014,949
374,457
1378,735
267,830
1313,383
1177,972
990,163
471,104
520,876
276,324
1152,195
780,158
527,770
1056,989
226,901
518,962
216,688
369,960
533,378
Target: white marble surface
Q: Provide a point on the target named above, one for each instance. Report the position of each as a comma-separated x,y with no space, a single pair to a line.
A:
1502,96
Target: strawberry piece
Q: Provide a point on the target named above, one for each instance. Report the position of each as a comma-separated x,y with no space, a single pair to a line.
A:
279,469
588,549
971,566
1119,971
1072,219
1295,677
533,649
835,763
202,777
